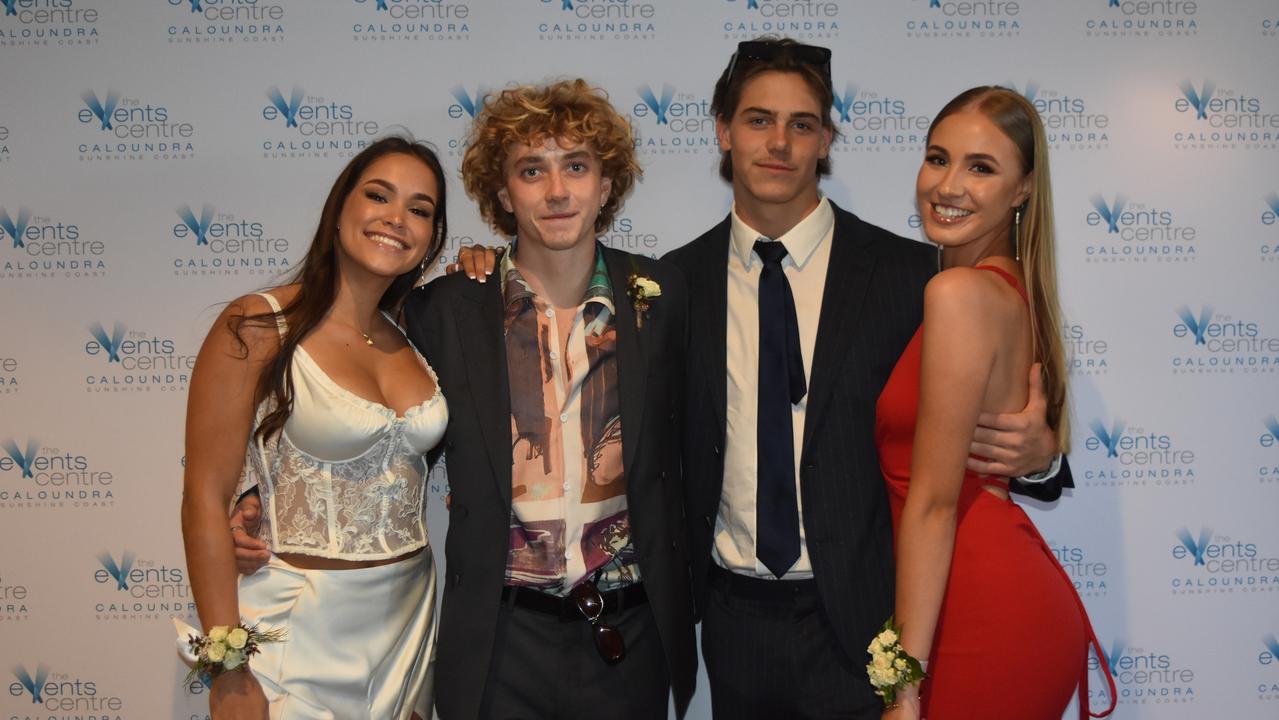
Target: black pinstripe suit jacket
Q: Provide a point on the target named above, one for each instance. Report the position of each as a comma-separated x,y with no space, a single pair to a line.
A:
872,305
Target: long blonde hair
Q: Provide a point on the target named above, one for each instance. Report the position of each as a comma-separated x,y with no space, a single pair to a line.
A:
1017,118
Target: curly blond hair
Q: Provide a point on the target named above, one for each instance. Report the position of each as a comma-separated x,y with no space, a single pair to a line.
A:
529,114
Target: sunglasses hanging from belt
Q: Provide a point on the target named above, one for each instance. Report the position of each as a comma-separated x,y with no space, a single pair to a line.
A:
608,639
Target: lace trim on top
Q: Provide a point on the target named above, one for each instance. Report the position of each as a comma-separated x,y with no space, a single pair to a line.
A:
367,507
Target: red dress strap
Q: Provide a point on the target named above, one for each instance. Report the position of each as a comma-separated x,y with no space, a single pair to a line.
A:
1007,276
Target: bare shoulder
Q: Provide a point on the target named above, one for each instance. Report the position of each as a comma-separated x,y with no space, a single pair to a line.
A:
969,298
246,329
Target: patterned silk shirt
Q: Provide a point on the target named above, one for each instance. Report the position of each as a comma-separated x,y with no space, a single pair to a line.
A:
568,513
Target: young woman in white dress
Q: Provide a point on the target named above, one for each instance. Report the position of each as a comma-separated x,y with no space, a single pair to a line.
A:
310,392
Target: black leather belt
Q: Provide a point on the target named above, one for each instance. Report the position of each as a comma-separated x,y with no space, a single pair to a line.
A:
758,588
564,608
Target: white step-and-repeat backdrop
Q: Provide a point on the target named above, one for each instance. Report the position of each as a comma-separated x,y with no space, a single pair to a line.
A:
158,157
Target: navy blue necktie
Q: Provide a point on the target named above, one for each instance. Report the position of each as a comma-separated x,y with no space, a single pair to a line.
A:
781,385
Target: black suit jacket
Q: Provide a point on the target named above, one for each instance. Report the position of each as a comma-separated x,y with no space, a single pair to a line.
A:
458,325
872,304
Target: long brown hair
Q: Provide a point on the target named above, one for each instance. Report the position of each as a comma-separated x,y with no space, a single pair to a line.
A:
317,276
1017,118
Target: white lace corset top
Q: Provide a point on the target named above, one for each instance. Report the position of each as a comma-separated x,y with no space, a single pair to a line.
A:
346,478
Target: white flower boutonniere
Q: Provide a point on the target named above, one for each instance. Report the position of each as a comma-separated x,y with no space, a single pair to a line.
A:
642,290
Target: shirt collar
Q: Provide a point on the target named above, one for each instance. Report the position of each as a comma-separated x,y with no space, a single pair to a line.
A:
515,287
800,241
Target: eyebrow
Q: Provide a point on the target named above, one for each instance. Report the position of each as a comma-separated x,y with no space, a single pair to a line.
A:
971,156
801,115
392,188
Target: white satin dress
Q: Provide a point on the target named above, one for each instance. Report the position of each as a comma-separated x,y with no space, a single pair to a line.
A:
345,480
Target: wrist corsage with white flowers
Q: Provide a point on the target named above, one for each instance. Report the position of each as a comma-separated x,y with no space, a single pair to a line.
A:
891,668
226,648
641,290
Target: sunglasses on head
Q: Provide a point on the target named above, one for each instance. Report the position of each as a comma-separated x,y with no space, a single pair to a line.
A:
759,51
608,639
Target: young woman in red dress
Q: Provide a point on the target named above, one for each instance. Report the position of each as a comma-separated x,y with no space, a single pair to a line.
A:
980,596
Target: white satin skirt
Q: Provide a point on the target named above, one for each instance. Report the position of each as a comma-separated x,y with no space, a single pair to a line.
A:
360,643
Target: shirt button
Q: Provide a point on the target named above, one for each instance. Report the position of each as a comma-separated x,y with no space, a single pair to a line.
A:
565,486
563,417
550,313
555,355
568,553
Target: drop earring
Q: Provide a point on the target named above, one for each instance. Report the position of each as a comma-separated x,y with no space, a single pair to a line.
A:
1017,234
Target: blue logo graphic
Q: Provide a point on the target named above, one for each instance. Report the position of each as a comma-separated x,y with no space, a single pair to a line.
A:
1272,424
102,111
1272,644
1199,100
23,459
1109,213
10,7
109,343
119,572
844,103
201,226
1113,3
32,685
288,109
381,5
567,5
934,3
15,229
1109,438
196,7
1116,653
1272,200
658,106
1196,548
1197,326
1030,92
469,104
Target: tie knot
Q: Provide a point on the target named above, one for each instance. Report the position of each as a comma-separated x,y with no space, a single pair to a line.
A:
770,251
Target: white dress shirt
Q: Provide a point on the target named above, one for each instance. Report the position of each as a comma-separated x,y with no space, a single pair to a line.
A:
808,247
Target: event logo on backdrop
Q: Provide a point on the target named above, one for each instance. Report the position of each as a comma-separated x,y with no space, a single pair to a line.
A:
584,20
115,127
941,19
60,692
462,111
1087,569
15,599
1269,248
412,20
33,476
1120,230
224,21
1211,342
875,120
126,587
799,19
45,247
1087,353
1116,454
1209,117
1071,121
670,121
49,23
1268,441
212,242
1269,25
1142,676
1208,562
1127,19
1268,659
311,126
633,235
10,373
125,359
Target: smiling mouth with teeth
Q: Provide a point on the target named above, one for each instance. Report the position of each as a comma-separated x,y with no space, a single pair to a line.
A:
388,241
951,213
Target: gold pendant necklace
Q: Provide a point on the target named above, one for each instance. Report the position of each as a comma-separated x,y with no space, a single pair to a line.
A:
367,340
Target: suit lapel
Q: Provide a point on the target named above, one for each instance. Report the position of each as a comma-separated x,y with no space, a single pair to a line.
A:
632,360
710,307
480,333
847,279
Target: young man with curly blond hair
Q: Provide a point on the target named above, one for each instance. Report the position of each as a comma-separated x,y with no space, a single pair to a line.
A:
567,589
